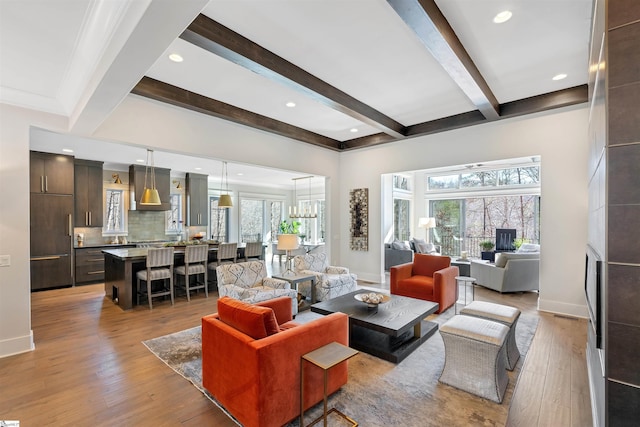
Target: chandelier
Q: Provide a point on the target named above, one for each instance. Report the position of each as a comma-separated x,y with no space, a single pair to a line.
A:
294,212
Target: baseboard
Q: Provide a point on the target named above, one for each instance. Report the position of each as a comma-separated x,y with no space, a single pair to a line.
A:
573,310
17,345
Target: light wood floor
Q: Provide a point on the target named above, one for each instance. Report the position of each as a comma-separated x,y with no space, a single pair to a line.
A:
89,367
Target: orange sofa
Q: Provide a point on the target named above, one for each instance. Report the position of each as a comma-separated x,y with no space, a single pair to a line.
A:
428,277
251,359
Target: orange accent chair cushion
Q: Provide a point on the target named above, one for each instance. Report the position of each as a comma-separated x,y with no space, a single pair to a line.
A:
258,380
255,321
428,277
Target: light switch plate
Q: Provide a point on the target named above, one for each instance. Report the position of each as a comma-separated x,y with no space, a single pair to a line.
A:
5,260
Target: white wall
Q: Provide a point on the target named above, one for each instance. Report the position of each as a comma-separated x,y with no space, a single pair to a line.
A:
559,137
15,282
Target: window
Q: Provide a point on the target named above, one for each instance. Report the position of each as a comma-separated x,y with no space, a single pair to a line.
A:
114,211
401,219
401,182
275,207
461,224
174,215
219,220
251,220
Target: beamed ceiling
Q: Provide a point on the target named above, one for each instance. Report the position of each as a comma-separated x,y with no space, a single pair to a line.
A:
429,50
360,72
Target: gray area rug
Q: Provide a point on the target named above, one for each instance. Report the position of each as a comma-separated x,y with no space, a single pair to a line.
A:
378,393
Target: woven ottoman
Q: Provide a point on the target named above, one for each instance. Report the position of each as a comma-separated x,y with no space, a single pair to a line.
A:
504,314
474,356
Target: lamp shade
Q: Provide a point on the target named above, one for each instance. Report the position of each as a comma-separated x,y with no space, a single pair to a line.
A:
150,197
427,222
225,201
287,242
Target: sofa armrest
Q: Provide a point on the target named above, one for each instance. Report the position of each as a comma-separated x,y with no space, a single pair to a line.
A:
276,283
399,272
445,288
281,307
487,275
332,269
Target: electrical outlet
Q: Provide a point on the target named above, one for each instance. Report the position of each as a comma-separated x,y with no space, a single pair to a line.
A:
5,260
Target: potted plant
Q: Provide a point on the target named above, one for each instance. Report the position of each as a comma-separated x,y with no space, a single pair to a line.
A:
487,250
290,227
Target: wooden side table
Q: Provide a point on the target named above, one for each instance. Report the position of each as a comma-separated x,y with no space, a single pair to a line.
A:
299,278
325,358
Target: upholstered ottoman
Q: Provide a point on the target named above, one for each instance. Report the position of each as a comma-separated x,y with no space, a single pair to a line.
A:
504,314
474,356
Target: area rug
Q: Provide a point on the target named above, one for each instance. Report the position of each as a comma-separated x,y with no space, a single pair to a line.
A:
378,392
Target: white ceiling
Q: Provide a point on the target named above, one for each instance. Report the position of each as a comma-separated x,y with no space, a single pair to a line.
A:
55,53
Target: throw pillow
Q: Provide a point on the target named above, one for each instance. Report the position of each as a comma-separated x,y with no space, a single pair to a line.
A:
399,245
253,320
529,248
426,248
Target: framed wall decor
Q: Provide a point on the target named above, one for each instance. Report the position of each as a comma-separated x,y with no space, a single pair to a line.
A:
359,209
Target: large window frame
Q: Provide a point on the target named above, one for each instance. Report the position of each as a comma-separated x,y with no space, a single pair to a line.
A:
506,186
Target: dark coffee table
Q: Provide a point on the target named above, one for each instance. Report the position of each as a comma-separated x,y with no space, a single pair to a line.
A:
391,331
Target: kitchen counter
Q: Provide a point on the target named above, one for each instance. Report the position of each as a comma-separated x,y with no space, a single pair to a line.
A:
102,245
122,264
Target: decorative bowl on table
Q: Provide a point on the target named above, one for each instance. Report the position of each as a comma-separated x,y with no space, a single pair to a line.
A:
372,299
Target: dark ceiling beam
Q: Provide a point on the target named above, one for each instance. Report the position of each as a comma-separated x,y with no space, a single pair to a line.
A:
548,101
435,33
220,40
535,104
163,92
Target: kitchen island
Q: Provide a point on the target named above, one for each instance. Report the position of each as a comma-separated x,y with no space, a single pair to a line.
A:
121,266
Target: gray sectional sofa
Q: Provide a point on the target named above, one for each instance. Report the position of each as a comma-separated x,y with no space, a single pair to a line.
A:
512,272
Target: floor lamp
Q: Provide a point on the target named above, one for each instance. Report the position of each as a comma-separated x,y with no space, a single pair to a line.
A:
427,223
288,243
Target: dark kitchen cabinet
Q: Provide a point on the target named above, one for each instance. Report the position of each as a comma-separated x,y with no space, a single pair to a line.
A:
136,187
50,173
197,199
51,240
88,193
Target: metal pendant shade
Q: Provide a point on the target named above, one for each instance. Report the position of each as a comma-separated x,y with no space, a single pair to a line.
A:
225,199
150,195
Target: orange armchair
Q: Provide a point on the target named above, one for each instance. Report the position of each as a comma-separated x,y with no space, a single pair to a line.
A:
428,277
258,379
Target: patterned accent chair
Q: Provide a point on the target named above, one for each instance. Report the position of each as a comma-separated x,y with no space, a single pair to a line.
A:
331,281
248,282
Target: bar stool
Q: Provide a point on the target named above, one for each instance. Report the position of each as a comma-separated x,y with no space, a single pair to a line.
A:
253,250
195,263
159,266
227,252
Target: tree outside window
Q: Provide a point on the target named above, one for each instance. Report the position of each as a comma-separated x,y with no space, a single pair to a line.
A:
114,211
401,219
218,220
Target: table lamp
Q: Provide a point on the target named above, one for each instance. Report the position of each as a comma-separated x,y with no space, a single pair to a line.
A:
288,243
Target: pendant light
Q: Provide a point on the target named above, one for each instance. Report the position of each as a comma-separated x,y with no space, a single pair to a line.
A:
225,199
150,196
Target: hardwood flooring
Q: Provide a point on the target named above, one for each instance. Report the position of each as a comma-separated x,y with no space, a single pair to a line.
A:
89,367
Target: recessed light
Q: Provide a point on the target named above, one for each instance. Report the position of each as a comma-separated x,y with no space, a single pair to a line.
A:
559,76
198,169
503,16
290,104
175,57
67,150
239,174
140,161
353,130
